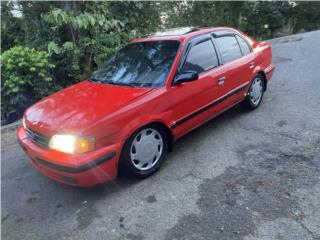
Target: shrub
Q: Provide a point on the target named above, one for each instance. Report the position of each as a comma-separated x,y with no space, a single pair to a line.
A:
25,79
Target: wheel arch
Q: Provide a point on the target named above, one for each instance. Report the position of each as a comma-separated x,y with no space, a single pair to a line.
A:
167,131
161,125
158,123
262,73
259,71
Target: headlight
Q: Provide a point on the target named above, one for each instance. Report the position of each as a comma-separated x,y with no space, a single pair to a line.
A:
71,143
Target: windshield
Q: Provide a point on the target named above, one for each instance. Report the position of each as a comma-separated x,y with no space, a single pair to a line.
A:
143,64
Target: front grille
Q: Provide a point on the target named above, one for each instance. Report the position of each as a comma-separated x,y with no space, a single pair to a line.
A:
38,138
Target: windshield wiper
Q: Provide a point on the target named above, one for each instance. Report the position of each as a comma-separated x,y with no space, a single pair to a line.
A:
119,83
112,82
124,84
95,80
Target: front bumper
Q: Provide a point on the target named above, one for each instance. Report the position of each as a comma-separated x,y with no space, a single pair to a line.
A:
86,169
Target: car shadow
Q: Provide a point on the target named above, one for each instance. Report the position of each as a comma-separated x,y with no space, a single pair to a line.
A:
204,130
124,182
40,192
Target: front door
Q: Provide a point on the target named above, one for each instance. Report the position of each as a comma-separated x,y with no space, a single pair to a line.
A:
189,100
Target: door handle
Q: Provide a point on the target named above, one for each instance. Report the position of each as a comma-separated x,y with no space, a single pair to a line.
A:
251,65
221,80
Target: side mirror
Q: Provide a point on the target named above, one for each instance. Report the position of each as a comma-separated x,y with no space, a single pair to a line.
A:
185,77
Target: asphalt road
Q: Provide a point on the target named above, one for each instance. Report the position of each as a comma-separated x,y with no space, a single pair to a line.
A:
244,175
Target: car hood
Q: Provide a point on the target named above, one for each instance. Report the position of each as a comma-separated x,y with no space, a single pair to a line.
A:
73,109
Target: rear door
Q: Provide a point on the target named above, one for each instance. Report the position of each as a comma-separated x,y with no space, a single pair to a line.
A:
237,61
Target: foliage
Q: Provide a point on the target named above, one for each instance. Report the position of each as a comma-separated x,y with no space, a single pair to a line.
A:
25,79
139,18
12,32
263,19
85,35
77,36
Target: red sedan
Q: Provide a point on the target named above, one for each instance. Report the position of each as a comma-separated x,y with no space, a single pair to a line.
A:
147,95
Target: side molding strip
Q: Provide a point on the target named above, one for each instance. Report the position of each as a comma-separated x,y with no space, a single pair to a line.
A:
210,105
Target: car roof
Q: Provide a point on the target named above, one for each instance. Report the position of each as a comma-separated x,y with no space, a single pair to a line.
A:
181,34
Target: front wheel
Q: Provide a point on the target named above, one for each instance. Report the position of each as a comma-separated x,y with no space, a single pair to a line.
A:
255,93
144,151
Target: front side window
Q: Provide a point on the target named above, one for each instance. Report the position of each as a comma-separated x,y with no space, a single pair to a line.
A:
243,45
229,48
201,57
143,64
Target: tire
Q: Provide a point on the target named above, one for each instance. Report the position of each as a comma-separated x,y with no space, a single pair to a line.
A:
144,152
255,93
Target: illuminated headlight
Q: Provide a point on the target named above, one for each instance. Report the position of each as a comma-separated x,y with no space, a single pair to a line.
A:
71,144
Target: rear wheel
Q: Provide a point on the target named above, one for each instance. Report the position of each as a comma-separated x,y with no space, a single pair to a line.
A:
144,151
255,93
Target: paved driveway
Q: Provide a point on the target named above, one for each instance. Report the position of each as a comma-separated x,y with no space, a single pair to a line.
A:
244,175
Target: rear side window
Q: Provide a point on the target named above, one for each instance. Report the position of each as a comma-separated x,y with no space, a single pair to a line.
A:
229,48
243,45
201,57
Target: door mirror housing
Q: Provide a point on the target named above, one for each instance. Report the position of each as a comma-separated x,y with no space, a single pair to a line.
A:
185,77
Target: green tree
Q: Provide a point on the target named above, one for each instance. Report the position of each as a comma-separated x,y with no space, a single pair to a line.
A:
138,17
85,34
77,36
25,76
12,32
260,19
